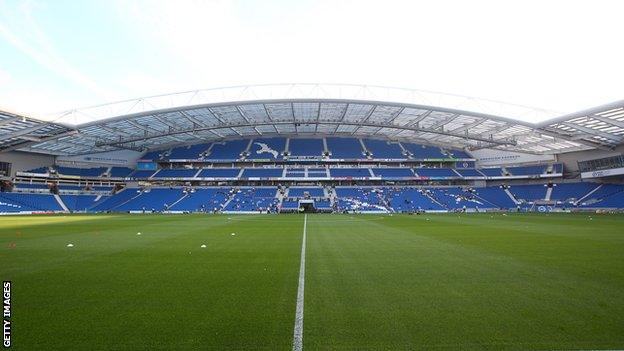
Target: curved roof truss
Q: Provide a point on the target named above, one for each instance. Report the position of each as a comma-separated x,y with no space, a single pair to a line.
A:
601,127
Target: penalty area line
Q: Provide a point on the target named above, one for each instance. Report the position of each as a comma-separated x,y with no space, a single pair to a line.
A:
298,332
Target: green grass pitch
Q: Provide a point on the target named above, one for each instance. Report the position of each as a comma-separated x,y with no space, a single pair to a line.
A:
372,282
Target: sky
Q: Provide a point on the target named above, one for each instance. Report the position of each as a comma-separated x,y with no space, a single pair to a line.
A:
62,54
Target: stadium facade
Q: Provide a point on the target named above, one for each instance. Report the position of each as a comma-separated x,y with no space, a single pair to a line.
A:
325,148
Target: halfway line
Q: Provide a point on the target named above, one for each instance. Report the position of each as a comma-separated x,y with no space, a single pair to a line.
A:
298,334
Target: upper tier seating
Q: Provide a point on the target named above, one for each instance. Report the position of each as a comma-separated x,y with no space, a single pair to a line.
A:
191,152
80,172
421,152
153,155
305,147
317,172
492,172
295,172
393,172
349,172
40,170
345,148
381,149
120,172
267,148
176,173
527,170
469,172
262,172
219,173
139,174
312,191
228,150
558,168
458,154
435,172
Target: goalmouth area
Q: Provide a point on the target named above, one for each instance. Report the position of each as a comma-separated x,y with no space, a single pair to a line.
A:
487,281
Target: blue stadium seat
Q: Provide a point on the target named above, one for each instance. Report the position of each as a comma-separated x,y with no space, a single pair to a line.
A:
228,150
492,172
191,152
422,152
469,172
267,148
529,193
436,173
349,172
527,170
156,199
305,147
176,173
312,191
202,200
253,200
381,149
82,203
120,172
388,173
219,173
345,148
26,202
262,173
80,172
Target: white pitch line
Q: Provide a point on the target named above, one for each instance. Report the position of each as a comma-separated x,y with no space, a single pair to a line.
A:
298,334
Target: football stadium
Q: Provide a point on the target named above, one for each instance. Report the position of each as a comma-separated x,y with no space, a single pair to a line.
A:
309,216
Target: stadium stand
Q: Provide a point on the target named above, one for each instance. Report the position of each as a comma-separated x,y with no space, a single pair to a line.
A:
219,173
381,149
305,147
80,172
227,150
267,148
251,199
262,172
436,172
81,203
191,152
156,199
345,148
176,173
423,152
120,172
300,192
529,193
390,173
350,172
27,202
202,200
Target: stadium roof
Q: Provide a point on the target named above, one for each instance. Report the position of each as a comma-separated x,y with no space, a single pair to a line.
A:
313,109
